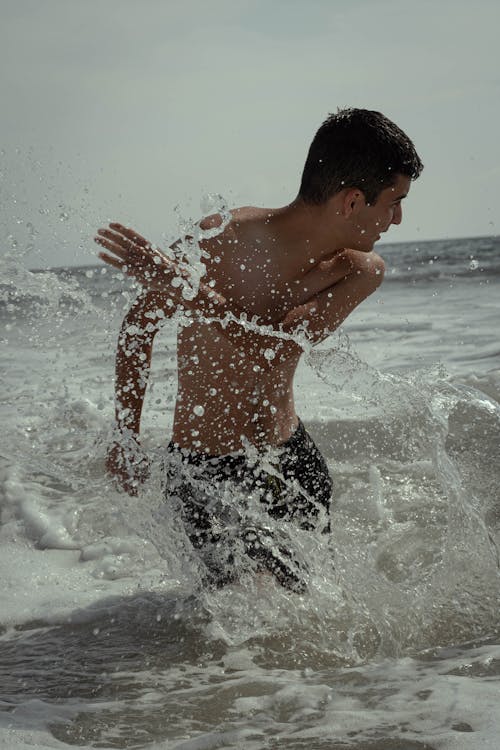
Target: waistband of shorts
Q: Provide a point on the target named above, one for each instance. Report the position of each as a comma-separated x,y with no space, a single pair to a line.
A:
198,459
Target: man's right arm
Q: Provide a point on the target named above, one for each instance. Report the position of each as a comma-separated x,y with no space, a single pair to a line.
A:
125,460
133,358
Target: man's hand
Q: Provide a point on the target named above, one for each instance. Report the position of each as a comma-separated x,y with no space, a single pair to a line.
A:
134,256
128,465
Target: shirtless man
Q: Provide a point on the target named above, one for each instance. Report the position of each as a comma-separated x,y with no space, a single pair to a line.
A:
285,268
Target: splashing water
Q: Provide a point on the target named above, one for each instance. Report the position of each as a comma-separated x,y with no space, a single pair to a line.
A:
187,251
402,605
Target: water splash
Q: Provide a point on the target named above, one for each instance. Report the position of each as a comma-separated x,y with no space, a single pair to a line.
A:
186,250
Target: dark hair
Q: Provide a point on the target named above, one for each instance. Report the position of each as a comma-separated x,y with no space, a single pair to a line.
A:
357,148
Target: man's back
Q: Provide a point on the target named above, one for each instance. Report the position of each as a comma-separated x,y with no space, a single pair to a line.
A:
227,395
223,394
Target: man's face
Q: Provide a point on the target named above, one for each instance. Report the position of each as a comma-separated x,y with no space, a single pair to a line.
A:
370,221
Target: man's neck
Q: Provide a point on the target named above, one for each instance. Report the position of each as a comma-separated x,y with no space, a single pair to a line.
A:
312,234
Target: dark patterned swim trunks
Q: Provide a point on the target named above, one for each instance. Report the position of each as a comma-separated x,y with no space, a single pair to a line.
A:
217,494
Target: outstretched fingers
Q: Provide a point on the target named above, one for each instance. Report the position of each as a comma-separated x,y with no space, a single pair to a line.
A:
118,244
130,234
134,256
121,253
119,264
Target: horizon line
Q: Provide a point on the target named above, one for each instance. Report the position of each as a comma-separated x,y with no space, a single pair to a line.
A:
380,244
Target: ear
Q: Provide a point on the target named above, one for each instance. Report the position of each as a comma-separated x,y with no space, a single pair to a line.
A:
353,200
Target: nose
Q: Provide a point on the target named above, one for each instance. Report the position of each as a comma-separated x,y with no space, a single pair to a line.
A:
397,216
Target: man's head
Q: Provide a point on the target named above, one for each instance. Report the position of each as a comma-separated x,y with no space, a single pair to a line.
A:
357,148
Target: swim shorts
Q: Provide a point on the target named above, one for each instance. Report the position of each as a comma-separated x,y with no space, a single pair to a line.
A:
224,499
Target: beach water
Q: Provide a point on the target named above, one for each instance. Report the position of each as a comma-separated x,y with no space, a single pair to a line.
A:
107,638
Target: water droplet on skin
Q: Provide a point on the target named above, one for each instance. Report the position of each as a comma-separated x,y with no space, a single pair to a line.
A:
269,354
199,410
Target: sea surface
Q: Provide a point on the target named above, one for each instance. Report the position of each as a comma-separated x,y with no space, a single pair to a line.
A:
107,637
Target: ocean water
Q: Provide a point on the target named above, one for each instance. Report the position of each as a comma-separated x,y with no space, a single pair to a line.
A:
107,638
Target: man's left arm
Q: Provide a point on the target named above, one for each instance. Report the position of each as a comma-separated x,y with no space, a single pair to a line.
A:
326,311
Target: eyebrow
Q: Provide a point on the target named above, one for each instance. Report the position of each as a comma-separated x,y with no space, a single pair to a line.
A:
400,197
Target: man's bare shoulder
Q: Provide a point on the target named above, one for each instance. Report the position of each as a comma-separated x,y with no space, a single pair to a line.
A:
249,213
242,227
239,217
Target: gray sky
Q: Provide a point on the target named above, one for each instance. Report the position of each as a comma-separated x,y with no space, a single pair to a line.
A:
123,109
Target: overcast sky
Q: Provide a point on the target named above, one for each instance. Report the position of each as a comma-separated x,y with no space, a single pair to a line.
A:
124,109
